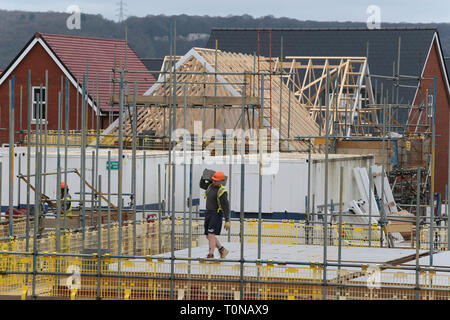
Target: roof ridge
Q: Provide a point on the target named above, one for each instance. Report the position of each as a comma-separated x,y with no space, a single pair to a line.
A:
77,36
328,29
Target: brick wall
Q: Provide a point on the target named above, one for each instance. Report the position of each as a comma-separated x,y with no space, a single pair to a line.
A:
37,60
434,68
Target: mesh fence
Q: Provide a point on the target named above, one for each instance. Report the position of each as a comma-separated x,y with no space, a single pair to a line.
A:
104,277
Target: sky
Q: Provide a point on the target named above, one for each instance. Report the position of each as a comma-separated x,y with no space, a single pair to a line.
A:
414,11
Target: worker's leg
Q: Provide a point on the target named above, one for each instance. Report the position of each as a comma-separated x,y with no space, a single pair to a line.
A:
212,242
218,245
206,224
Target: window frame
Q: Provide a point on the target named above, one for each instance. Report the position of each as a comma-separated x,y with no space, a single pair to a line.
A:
35,103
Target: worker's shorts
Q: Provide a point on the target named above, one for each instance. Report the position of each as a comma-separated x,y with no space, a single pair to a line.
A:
213,222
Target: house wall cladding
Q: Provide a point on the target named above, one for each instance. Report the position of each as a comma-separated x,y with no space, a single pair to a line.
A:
38,61
434,68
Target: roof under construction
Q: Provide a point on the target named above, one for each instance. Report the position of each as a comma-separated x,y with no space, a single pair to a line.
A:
212,84
205,73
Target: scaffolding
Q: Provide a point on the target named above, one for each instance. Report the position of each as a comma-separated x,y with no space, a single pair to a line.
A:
303,102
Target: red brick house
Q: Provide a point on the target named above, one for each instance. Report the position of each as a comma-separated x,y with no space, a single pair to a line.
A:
435,66
73,58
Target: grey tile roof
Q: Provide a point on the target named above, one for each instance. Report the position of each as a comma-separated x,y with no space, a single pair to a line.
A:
381,45
447,63
153,64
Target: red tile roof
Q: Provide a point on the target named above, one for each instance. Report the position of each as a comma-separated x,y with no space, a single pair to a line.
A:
77,52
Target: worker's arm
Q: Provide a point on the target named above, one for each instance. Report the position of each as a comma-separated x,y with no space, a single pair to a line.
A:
204,183
225,204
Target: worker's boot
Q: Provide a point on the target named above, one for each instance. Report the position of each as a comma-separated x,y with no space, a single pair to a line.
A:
223,253
210,256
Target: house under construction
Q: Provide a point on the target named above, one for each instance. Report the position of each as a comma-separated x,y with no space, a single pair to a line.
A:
319,208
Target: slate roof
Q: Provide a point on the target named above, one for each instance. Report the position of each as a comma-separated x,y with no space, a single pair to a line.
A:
153,64
381,45
447,63
77,52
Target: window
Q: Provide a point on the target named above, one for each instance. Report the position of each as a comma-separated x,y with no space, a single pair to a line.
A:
37,101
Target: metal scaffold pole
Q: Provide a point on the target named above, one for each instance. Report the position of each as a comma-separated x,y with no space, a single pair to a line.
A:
433,157
44,118
370,205
171,168
37,193
159,209
29,111
133,167
58,179
309,205
341,191
109,200
1,182
66,142
261,115
417,233
190,219
144,182
20,118
383,220
120,173
99,237
11,153
325,207
97,139
184,168
242,209
93,179
83,163
120,177
36,222
19,155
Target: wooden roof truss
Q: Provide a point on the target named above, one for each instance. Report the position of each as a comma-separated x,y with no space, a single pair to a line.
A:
210,73
349,91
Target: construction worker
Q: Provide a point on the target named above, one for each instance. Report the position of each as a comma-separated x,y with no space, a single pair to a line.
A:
217,205
65,196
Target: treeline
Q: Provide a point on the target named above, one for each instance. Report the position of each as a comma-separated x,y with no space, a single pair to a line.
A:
149,36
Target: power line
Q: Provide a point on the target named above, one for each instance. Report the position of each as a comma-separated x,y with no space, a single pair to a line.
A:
121,11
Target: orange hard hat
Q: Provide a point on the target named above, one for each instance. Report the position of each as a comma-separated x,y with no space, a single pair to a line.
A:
218,176
63,185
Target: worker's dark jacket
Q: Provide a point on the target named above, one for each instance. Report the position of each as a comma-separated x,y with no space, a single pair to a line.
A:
212,203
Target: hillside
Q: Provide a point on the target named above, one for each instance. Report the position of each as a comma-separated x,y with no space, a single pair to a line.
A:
149,36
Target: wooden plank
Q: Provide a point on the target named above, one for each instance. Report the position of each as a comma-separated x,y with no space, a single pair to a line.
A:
191,100
43,196
360,144
388,199
362,181
290,64
329,58
399,227
96,192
